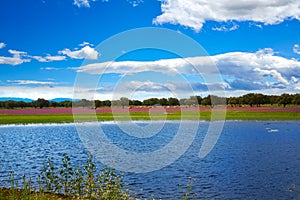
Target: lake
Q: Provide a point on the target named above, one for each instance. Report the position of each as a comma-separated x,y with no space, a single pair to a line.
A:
251,159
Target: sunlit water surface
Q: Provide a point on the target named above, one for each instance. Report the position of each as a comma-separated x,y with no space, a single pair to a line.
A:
251,160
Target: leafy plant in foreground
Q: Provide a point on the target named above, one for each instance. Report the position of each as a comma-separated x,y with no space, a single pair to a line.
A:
80,183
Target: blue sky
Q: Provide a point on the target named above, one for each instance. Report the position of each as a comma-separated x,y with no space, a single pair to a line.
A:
46,44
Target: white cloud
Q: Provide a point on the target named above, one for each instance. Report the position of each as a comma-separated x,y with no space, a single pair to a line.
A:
31,82
18,58
49,58
296,49
2,45
194,13
225,28
85,3
26,91
15,52
261,69
86,52
170,66
294,79
135,3
49,68
81,3
86,44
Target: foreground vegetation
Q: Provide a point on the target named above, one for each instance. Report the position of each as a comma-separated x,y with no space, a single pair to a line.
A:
73,183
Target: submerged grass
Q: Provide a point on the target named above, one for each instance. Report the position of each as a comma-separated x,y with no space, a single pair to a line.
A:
191,115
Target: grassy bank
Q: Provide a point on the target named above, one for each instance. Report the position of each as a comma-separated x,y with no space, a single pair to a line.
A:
191,115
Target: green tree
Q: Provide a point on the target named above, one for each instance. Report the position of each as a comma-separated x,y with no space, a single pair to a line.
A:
163,101
285,99
106,103
9,104
124,101
41,103
233,101
173,101
151,102
135,103
98,104
296,99
206,101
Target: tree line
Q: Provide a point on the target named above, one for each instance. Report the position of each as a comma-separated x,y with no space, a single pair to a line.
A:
251,99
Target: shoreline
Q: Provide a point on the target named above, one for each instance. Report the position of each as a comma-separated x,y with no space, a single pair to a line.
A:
68,119
134,121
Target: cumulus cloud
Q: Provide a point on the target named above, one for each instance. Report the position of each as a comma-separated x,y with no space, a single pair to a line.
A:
2,45
169,66
296,49
18,57
86,52
261,69
194,13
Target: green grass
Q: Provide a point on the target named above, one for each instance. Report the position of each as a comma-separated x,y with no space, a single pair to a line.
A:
244,115
6,193
204,115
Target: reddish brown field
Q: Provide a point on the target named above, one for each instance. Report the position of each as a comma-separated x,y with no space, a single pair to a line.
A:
141,109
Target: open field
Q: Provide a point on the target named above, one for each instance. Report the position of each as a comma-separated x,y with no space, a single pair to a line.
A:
65,115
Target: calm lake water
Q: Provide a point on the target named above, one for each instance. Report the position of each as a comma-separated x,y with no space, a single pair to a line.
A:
251,160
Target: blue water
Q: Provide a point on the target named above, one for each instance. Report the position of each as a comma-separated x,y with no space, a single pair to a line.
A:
251,160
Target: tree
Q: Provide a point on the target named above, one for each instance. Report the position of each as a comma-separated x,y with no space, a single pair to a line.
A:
249,99
124,101
296,99
10,104
173,101
206,101
106,103
135,103
53,104
259,99
215,100
284,99
233,101
195,100
65,103
163,102
41,103
272,99
98,104
151,102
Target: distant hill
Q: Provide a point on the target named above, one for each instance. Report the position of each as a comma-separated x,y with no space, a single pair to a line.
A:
15,99
61,99
58,100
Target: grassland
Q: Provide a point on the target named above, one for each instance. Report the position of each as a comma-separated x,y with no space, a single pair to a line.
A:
174,114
